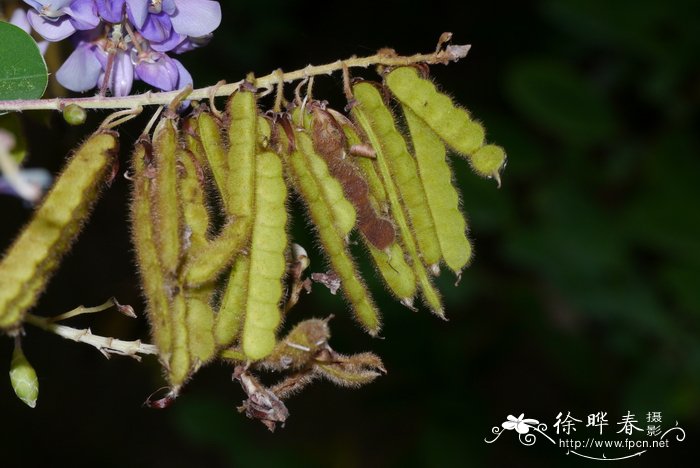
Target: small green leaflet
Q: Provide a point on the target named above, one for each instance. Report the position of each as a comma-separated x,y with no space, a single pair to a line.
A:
23,73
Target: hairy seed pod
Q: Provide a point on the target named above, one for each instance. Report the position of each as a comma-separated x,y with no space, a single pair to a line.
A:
267,258
343,212
210,131
200,326
443,200
23,378
398,275
405,174
194,204
242,133
488,161
200,317
193,142
323,209
219,253
367,165
166,210
329,142
33,257
391,263
451,122
180,363
377,123
143,237
233,304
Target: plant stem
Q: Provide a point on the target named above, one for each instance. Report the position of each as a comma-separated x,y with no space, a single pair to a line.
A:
385,57
103,344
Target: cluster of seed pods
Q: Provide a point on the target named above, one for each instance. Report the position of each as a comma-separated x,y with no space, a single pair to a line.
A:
209,221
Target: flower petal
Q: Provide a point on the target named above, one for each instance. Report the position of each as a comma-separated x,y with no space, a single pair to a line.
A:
509,425
122,75
83,14
52,31
138,12
81,70
169,7
169,44
157,28
110,10
162,74
19,19
184,77
196,17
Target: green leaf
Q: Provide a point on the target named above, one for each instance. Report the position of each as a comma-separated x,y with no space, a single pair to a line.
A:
23,73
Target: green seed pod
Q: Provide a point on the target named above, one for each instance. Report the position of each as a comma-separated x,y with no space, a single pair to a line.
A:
166,210
443,200
322,207
344,214
404,171
329,142
398,275
200,326
73,114
267,258
452,123
233,304
195,212
23,378
193,142
143,237
210,131
242,133
32,258
180,360
488,161
376,121
367,165
219,253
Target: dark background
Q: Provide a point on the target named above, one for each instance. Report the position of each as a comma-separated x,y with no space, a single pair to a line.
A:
583,295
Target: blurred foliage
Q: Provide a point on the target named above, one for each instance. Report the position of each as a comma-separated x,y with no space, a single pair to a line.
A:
583,295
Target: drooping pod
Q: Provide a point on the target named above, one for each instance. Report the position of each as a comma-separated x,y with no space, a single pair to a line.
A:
249,134
200,316
194,203
323,198
391,262
33,257
451,122
372,115
143,236
344,214
488,161
329,142
209,130
443,200
236,192
268,264
166,210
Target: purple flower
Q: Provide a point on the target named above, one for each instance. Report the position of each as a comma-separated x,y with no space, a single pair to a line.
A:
123,40
55,20
170,23
87,67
